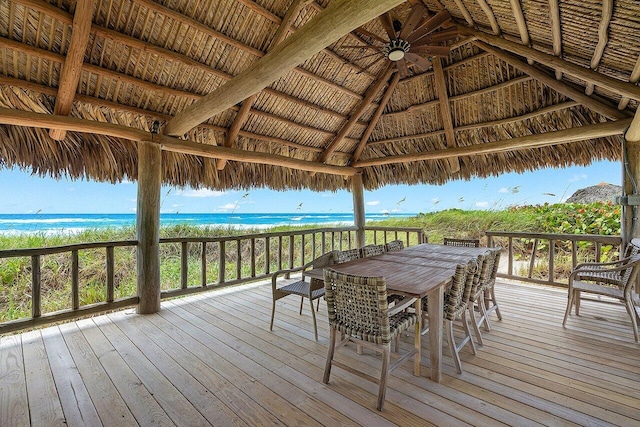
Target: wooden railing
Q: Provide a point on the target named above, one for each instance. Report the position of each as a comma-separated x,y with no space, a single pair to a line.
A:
548,258
37,317
203,262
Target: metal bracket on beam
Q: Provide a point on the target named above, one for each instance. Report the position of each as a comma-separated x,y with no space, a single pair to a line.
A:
630,200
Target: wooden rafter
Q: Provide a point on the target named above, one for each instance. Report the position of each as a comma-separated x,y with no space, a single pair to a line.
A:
633,78
374,120
540,140
26,118
490,16
465,12
516,8
445,111
603,39
558,86
556,32
341,17
633,133
357,112
609,83
245,109
72,66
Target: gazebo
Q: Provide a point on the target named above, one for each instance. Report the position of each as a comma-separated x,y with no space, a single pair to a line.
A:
325,95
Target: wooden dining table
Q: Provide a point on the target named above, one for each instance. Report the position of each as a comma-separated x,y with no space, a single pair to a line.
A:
415,272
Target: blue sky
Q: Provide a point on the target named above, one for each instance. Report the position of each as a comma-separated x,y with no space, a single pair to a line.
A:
23,193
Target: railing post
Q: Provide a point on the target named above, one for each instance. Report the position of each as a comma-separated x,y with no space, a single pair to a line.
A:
223,262
239,259
302,249
267,255
75,288
110,274
253,257
279,252
184,264
510,265
35,286
203,265
291,243
552,250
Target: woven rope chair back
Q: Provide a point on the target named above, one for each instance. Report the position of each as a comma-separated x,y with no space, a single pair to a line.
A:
467,243
372,250
630,274
357,306
496,263
394,245
348,255
455,299
482,273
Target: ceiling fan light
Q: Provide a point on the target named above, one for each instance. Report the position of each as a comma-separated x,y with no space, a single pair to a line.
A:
396,54
396,49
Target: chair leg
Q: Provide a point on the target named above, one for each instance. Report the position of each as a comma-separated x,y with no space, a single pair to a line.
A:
330,351
568,310
452,345
315,323
301,303
632,313
384,374
273,313
484,315
474,322
576,301
467,331
318,305
494,303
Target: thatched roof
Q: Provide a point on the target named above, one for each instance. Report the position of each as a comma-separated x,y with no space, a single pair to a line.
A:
470,114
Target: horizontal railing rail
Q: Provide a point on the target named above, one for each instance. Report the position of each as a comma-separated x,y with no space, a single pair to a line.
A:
547,258
188,265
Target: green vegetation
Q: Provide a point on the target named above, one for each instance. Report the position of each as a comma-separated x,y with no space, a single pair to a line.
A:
15,273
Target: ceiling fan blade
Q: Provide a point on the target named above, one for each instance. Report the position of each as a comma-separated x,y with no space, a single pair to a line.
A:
370,65
431,50
368,33
429,26
387,24
402,67
413,20
421,62
438,37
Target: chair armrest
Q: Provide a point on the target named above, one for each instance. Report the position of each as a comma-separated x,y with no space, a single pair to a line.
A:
405,303
580,271
274,276
590,264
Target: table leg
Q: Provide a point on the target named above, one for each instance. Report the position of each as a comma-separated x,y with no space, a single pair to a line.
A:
417,341
435,301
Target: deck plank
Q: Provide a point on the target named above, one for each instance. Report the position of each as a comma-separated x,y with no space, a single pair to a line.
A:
210,359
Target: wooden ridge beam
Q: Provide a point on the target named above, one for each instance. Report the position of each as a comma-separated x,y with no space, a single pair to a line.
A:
490,16
341,17
556,32
450,66
603,39
376,116
565,136
13,117
445,112
559,86
465,13
372,92
245,109
609,83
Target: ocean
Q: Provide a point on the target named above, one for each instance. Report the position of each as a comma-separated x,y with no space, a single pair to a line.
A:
11,224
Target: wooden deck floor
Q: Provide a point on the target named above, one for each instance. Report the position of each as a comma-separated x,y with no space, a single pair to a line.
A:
211,360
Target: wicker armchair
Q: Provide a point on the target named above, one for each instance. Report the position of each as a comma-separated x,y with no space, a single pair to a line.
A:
305,288
455,307
348,255
358,310
371,250
600,271
467,243
477,299
394,245
624,289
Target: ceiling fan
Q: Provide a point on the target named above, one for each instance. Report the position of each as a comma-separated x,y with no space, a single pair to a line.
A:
412,42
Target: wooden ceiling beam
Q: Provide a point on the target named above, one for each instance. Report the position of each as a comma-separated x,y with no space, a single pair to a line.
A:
245,109
521,22
465,13
603,39
9,116
338,19
490,16
445,112
559,86
600,130
609,83
556,32
633,79
372,92
376,116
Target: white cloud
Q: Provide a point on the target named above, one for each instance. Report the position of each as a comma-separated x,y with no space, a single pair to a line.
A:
482,204
373,203
578,177
204,192
176,205
126,181
228,206
503,190
396,210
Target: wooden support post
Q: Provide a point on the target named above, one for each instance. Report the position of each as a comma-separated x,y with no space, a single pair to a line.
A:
631,179
148,226
357,189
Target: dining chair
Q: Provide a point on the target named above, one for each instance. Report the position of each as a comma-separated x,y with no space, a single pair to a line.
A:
393,246
358,311
347,255
599,271
455,307
624,290
312,289
467,243
371,250
476,301
489,289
